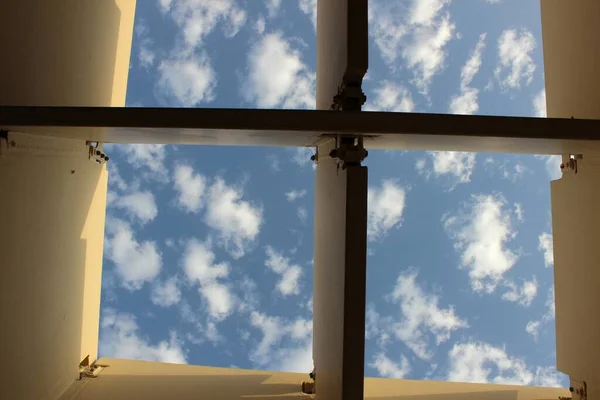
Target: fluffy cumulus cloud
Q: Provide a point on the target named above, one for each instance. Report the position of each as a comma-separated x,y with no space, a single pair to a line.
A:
277,76
139,205
135,262
534,327
515,61
387,368
309,7
417,31
186,75
290,274
186,79
385,208
167,293
389,96
201,267
190,188
422,316
120,338
481,233
523,294
236,220
466,101
292,195
480,362
545,245
456,166
149,159
285,345
197,19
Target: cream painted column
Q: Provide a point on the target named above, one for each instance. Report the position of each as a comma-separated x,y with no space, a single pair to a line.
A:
54,53
571,39
340,237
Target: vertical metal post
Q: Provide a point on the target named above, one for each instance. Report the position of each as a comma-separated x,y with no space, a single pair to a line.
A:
340,209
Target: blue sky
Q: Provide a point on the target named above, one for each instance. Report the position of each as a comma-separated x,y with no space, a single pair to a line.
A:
208,250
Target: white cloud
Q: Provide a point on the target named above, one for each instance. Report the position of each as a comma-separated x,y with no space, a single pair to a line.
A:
466,101
515,62
237,221
422,316
277,76
285,345
115,181
550,303
418,33
519,213
290,273
523,295
480,362
546,246
135,262
295,194
167,293
302,214
481,232
190,188
552,166
260,25
389,369
539,104
139,205
273,7
120,338
457,166
200,267
309,7
150,158
385,208
389,96
197,19
146,55
533,328
302,156
187,79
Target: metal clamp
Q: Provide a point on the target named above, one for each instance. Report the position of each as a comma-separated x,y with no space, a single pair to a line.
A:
350,151
95,154
350,97
572,163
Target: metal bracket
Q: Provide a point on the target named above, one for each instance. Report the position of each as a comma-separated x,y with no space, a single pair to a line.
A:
349,151
578,389
87,370
572,163
349,97
95,152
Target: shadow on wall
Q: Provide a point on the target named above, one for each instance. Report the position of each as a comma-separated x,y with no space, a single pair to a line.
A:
183,387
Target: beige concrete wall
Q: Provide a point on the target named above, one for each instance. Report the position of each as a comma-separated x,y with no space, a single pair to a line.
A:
576,231
571,57
126,379
65,52
54,53
53,200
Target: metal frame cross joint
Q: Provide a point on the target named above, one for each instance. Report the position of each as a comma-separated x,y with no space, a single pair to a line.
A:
349,97
349,151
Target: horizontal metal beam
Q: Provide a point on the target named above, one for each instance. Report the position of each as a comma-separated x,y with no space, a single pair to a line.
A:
406,131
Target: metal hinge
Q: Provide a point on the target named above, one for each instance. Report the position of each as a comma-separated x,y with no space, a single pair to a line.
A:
95,152
349,151
87,370
349,97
